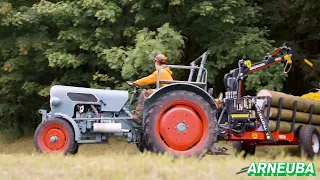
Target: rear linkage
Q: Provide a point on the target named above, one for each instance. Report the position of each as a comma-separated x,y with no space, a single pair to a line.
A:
234,117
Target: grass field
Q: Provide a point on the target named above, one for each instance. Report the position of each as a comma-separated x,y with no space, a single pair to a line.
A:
119,160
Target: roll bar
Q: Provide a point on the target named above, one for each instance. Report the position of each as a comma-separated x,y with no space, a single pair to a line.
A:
201,76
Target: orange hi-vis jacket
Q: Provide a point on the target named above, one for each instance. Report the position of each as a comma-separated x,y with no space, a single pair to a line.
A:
165,75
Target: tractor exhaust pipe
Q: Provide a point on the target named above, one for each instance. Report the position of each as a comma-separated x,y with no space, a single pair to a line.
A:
108,128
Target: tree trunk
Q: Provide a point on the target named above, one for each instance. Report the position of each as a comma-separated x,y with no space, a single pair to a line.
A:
286,115
17,123
285,127
303,104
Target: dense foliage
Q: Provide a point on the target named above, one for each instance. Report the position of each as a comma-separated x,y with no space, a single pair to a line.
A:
103,43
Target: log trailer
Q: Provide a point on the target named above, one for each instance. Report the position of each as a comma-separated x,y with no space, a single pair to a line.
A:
245,119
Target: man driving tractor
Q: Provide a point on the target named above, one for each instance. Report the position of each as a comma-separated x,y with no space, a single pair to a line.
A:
165,74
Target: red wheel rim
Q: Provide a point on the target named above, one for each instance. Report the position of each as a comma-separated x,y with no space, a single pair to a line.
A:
53,138
182,127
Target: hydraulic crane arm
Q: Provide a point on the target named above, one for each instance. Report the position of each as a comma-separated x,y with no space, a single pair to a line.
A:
233,79
271,58
311,65
299,57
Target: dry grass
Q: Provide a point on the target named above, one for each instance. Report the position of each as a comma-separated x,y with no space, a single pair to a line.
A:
119,160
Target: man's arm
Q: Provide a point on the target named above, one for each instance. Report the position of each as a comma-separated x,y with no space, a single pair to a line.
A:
151,79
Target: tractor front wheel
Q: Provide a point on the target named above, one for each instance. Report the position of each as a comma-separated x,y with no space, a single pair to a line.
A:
181,123
55,136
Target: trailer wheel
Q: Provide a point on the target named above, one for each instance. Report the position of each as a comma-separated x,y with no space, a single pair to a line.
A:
55,136
240,146
309,141
181,123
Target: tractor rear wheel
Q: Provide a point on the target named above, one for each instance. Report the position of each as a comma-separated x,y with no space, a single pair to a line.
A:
309,138
142,145
181,123
55,136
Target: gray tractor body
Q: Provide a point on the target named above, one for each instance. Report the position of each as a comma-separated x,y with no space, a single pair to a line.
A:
94,113
63,99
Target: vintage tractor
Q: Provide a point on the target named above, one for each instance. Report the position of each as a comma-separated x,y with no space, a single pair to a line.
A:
179,118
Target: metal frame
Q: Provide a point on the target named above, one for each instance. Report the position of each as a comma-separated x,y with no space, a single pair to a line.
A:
233,80
260,136
202,75
277,138
229,109
294,112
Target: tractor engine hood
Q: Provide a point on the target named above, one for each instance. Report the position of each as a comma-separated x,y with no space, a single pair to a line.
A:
64,98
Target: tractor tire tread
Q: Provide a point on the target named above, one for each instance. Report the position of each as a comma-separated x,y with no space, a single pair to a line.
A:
150,121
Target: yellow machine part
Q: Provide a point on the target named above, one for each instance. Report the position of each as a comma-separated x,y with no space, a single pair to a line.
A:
312,95
315,95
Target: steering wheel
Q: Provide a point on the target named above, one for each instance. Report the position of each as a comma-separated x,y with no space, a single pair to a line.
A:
130,83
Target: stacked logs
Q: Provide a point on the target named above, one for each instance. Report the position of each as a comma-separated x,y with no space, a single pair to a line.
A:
302,110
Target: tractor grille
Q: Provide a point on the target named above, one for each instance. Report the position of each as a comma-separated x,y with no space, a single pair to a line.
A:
82,97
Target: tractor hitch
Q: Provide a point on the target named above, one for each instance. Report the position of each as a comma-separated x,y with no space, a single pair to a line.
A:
218,150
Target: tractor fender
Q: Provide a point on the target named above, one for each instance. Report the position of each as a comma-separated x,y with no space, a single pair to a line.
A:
178,86
71,121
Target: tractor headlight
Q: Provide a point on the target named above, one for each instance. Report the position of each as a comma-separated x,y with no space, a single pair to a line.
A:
54,101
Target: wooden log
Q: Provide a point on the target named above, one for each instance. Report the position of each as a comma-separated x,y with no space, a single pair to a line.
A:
303,104
285,127
286,115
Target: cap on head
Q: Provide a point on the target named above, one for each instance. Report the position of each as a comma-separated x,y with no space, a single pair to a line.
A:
160,59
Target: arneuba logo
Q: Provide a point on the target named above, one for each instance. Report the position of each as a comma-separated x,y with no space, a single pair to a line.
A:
279,169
